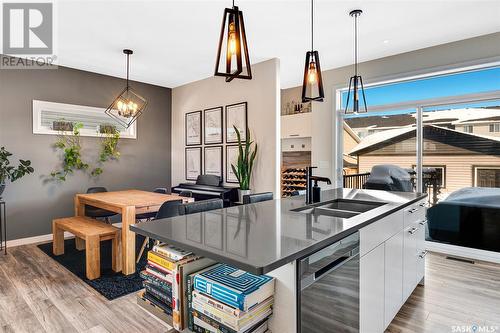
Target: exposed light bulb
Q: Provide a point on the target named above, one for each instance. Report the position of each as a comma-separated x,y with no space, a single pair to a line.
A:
312,74
232,39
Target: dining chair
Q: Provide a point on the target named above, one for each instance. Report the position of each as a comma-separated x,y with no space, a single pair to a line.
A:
186,194
149,216
167,209
257,197
97,213
200,206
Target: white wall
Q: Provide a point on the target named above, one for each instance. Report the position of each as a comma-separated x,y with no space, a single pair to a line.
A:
262,94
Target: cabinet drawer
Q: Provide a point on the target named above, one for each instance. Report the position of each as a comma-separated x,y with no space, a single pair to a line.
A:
378,232
415,213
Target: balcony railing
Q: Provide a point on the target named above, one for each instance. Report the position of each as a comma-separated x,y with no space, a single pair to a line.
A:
357,180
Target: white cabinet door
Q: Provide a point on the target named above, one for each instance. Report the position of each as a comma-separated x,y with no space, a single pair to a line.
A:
371,291
393,277
421,252
296,126
409,260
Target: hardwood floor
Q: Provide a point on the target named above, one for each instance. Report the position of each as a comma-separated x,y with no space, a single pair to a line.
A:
39,295
455,294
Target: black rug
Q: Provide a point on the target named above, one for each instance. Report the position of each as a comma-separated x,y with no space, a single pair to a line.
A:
111,285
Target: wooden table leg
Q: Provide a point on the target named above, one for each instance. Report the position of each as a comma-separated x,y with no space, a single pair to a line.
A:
93,257
57,239
128,240
116,263
79,211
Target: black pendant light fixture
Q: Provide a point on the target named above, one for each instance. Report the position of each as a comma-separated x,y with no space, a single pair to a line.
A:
356,82
129,105
312,85
232,52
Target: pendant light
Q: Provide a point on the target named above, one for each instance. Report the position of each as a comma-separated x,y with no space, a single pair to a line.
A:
232,52
312,85
129,105
356,82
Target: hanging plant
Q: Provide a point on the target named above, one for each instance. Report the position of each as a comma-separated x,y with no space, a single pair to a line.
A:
72,158
109,146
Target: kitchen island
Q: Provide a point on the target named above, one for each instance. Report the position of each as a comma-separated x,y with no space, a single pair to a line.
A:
272,237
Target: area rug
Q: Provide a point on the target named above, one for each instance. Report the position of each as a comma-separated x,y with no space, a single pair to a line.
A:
111,285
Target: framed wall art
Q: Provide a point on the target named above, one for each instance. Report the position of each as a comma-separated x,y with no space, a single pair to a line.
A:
212,120
193,128
236,115
193,163
213,161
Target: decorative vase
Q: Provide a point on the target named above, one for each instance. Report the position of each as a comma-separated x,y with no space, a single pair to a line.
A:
241,193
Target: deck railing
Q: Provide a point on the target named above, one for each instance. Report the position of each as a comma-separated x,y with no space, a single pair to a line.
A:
357,180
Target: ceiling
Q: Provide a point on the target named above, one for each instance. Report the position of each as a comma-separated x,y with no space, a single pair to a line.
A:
175,42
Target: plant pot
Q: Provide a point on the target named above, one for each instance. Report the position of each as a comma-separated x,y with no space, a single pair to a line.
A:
2,188
241,193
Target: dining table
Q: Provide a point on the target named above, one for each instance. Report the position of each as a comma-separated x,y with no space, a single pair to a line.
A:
128,203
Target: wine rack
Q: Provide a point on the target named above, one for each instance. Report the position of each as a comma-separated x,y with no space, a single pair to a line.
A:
292,179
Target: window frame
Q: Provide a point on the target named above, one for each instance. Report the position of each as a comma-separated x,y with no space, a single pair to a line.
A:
475,169
418,105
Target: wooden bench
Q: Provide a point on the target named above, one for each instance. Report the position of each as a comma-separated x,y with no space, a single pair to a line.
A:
92,232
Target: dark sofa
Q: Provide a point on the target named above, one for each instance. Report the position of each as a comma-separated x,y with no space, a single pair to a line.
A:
468,217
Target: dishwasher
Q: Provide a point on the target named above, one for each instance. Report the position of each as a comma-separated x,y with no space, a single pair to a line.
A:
328,289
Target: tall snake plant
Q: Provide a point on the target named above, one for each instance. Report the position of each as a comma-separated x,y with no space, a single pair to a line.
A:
246,157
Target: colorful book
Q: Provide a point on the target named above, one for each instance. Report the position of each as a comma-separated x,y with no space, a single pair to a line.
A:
156,281
159,268
172,252
162,260
185,267
189,298
208,323
158,293
158,303
211,325
237,313
249,319
234,287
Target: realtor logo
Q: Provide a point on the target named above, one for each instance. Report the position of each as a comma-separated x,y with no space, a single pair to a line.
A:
27,28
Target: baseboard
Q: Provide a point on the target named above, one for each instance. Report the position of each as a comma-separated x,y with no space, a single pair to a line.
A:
42,238
464,252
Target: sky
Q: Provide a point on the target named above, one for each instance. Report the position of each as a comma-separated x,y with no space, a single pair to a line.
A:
441,86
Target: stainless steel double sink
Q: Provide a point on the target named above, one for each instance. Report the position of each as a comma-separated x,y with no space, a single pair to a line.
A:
343,208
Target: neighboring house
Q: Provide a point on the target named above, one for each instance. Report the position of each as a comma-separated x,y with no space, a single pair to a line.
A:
463,159
351,140
485,121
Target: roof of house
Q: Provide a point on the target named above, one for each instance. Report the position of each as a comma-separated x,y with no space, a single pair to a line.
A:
470,141
452,117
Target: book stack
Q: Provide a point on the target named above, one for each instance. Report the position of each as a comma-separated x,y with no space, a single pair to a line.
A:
163,282
224,299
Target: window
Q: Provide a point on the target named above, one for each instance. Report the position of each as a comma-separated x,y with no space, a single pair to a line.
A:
487,176
468,128
495,127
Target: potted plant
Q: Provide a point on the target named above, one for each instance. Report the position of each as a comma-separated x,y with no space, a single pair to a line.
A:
8,172
244,164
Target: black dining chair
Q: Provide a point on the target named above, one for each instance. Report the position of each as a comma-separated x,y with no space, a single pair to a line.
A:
97,213
186,194
149,216
167,209
257,197
200,206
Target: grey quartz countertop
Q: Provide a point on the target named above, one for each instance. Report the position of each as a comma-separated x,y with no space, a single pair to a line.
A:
261,237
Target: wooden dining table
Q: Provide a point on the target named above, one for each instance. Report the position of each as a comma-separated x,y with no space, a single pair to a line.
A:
128,203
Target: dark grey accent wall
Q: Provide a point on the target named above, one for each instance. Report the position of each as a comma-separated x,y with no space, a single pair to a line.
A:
145,163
